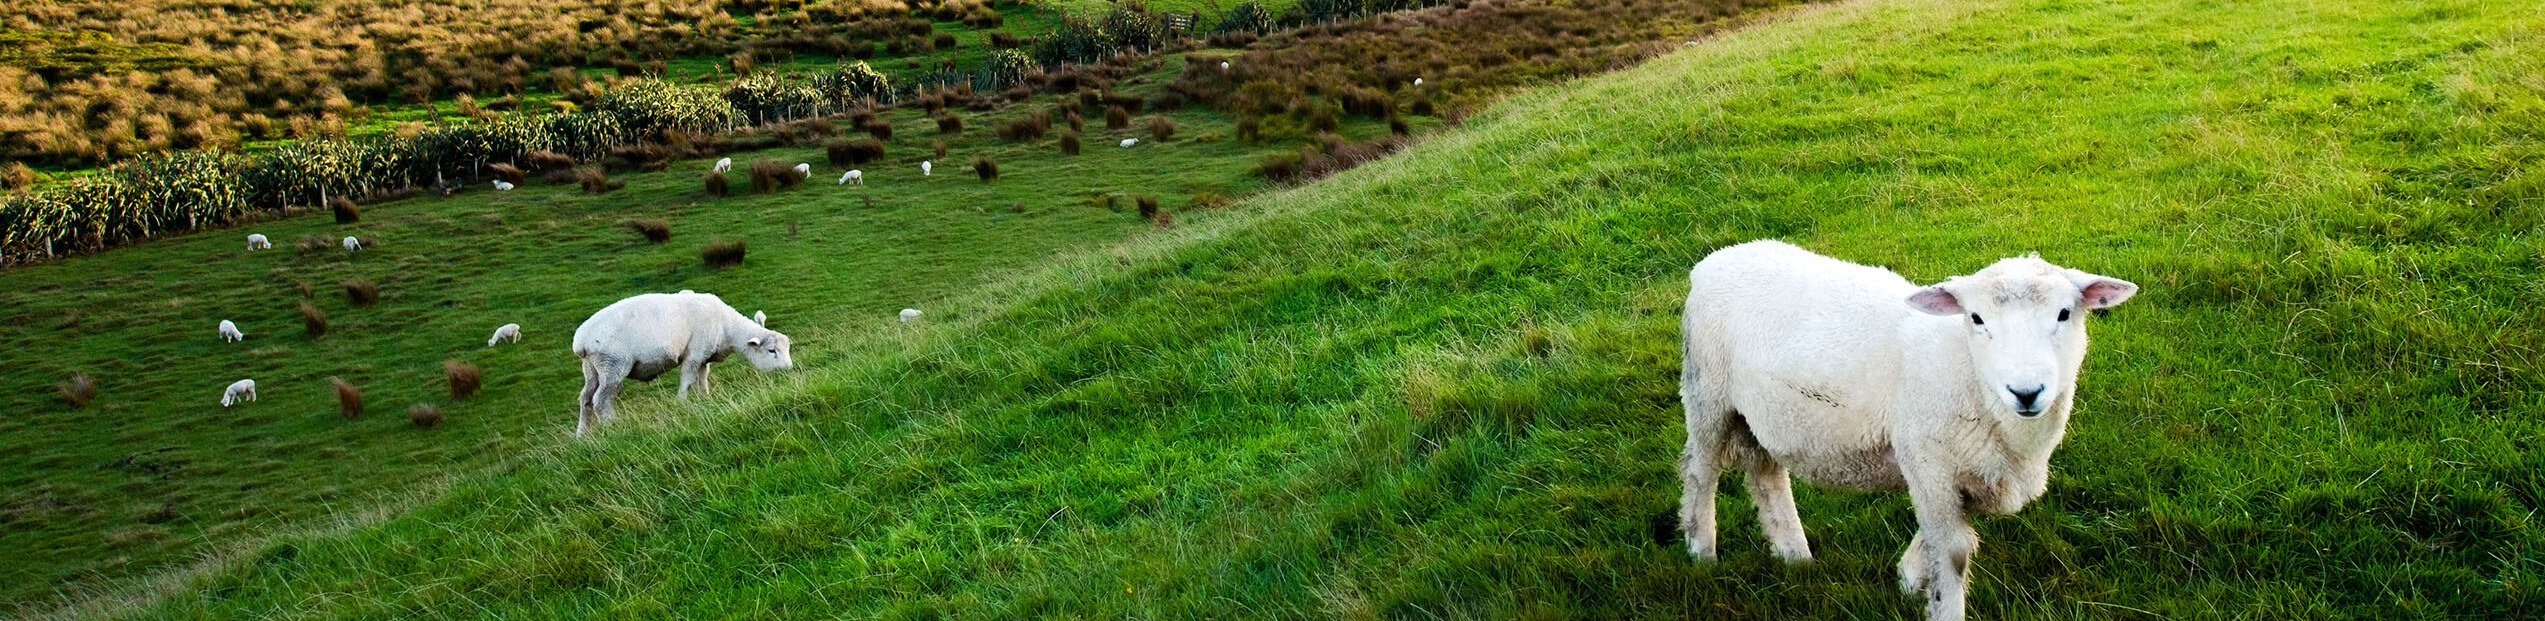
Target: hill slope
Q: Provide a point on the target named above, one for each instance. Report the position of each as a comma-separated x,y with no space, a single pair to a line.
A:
1442,385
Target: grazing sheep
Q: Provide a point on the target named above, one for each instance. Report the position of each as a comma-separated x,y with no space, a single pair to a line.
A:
724,165
1850,376
239,392
1418,81
509,332
858,176
503,186
760,317
908,314
641,337
257,241
352,244
1127,142
230,332
1223,66
804,170
927,168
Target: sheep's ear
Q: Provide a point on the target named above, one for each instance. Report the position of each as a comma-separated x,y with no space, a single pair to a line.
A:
1935,300
751,343
2095,292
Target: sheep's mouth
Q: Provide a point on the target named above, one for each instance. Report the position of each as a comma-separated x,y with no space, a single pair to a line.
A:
2031,413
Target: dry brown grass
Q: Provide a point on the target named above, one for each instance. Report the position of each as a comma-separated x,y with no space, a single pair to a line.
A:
348,398
723,253
463,378
654,229
424,415
361,293
77,391
346,211
313,321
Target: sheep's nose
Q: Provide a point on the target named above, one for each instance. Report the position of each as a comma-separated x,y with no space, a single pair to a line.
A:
2024,398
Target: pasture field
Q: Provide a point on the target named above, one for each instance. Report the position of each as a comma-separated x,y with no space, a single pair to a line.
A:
156,472
1442,385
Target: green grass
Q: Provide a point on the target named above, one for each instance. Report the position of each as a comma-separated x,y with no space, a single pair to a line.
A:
157,472
1442,385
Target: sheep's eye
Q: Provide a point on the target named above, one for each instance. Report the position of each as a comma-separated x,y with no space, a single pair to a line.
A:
1975,320
2063,314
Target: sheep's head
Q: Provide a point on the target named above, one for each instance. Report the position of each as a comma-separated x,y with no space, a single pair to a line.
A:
2026,325
768,350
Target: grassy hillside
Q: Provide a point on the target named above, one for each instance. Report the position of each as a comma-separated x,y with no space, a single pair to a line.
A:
1442,385
156,472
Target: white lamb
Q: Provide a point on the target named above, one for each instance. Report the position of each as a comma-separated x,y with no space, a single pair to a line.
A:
760,317
241,391
1223,66
1852,377
927,168
502,186
804,171
256,241
1127,142
352,244
641,337
908,314
724,165
230,332
509,332
858,176
1418,81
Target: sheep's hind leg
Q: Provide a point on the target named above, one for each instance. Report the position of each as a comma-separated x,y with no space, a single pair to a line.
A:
1700,469
584,409
1772,491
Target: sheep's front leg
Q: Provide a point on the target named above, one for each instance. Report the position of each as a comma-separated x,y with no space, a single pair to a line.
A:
706,374
1937,566
689,373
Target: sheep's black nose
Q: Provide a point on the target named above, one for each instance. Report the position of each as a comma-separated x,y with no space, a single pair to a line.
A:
2024,398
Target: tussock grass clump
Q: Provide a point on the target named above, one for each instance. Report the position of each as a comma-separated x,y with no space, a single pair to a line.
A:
306,292
424,415
716,185
346,211
77,391
654,229
722,253
1029,127
16,176
949,124
1069,143
313,322
596,180
348,398
507,172
1148,206
940,147
1161,128
859,152
462,378
361,293
768,176
880,129
1117,117
987,168
548,161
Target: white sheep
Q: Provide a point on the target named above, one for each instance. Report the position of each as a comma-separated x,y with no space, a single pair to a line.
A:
1127,142
256,241
1852,377
927,168
509,332
230,332
724,165
641,337
858,176
908,314
1223,66
760,317
352,244
241,391
1418,81
804,171
503,186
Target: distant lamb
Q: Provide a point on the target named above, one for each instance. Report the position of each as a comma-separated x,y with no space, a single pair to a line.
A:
642,337
509,332
230,332
1851,376
908,314
858,176
804,170
724,165
1418,81
1127,142
352,244
760,317
241,391
1223,66
256,241
502,186
927,168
